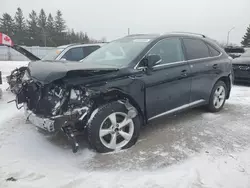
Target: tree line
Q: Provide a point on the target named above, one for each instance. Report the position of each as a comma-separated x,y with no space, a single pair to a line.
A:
40,29
246,38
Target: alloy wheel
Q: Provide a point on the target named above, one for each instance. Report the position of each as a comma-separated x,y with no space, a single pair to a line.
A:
219,97
116,130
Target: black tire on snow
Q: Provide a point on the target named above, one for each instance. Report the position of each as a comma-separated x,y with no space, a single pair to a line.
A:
95,124
211,106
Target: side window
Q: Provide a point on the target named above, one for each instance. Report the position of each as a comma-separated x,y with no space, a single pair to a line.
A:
89,49
213,51
196,49
74,54
170,50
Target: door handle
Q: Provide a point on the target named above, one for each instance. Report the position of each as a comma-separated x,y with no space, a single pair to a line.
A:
184,73
215,66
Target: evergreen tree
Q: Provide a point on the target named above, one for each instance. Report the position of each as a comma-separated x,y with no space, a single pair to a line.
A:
86,38
59,22
50,31
246,38
42,24
40,30
7,25
32,28
60,35
20,28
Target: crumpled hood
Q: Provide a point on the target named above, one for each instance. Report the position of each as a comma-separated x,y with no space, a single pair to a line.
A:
49,71
241,60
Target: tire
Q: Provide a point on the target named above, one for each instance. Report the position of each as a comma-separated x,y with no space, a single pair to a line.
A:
212,107
102,117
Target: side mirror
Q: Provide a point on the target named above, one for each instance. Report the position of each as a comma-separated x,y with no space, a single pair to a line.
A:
153,60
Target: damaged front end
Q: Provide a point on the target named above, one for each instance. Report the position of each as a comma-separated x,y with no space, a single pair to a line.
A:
15,79
57,106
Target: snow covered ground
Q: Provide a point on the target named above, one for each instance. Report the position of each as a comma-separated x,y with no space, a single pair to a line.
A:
193,149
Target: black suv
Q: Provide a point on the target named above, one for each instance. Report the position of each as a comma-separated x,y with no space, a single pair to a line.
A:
125,84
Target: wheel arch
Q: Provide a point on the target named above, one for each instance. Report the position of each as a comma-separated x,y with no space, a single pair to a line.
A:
116,94
227,80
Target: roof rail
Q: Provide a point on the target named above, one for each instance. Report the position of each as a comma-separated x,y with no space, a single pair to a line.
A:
179,32
132,35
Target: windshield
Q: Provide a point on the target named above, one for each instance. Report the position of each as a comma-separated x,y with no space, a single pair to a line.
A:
52,55
118,53
247,53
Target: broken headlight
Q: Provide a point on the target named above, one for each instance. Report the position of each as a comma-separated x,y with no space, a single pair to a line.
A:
25,76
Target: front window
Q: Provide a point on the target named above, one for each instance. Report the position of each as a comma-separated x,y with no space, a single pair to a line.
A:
170,50
52,55
118,53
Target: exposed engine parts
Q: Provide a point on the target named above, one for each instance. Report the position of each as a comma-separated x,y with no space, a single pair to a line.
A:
67,129
58,107
15,79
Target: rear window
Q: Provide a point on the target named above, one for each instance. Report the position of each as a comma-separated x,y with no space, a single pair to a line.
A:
196,49
213,51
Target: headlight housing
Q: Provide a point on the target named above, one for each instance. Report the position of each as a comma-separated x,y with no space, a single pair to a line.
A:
25,76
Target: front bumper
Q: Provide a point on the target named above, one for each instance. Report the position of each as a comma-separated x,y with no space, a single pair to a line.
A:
43,123
64,123
56,123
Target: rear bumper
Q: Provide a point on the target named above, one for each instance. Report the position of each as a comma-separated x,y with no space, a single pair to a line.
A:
241,80
241,75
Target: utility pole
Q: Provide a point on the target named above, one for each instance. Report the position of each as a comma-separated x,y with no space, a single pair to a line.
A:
128,31
229,34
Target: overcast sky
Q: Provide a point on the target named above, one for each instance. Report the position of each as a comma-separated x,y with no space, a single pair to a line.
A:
111,18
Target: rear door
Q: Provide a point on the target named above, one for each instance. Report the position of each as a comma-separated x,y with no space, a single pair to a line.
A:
205,67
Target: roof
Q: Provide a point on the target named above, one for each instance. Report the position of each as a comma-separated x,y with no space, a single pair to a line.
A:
80,45
176,33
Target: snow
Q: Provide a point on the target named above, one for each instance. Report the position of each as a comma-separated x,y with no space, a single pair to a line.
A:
37,160
7,66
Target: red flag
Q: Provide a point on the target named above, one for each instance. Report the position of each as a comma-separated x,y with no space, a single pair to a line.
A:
5,40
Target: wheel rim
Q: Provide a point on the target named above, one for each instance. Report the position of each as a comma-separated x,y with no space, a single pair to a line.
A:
116,130
219,97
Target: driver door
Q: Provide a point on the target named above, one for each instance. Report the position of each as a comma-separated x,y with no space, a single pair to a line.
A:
168,84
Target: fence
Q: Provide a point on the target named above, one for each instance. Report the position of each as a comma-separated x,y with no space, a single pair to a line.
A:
7,53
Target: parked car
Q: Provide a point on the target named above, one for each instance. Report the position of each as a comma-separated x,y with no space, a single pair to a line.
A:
241,67
124,85
234,51
72,52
